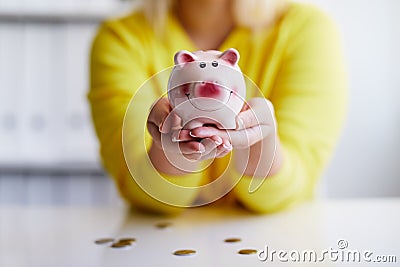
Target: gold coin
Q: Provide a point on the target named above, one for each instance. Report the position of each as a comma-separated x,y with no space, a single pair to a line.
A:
247,251
163,225
127,240
103,241
184,252
121,245
232,240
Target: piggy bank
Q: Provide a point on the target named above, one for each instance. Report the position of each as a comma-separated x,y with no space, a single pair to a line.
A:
207,87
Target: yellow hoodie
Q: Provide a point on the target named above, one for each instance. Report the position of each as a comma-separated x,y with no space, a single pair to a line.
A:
297,63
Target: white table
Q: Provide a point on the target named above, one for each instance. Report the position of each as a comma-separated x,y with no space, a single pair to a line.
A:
64,236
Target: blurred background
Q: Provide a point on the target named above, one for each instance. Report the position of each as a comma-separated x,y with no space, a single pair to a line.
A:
49,152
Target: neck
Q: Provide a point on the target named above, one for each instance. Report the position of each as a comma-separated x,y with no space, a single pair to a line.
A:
207,22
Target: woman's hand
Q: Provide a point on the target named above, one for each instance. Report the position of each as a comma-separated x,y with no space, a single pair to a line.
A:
165,128
255,122
255,138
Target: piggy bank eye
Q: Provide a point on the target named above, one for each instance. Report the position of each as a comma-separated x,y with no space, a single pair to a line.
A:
202,65
214,64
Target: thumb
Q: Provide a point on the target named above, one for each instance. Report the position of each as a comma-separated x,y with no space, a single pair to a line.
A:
258,113
171,122
246,119
159,112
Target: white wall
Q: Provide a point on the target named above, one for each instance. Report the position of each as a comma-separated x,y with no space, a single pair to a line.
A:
38,61
367,161
44,51
48,150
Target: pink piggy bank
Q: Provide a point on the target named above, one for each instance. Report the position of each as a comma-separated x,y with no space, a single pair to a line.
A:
207,87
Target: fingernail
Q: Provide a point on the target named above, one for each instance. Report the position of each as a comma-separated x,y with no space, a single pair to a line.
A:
191,134
228,147
218,140
162,127
175,137
201,150
175,140
218,143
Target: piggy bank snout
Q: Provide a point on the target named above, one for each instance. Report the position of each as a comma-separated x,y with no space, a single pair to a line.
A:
209,96
209,90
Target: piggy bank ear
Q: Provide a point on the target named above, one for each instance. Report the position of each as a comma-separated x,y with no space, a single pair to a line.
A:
231,56
184,56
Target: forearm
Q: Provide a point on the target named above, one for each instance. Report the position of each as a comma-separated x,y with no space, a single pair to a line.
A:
145,187
289,185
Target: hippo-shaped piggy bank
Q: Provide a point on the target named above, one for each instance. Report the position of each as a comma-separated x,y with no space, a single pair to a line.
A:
207,87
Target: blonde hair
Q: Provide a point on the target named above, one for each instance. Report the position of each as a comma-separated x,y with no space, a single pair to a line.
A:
253,14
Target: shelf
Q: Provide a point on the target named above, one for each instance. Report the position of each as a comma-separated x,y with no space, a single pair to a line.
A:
55,169
81,14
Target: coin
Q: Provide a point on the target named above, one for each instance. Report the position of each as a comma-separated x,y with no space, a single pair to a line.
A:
121,245
247,251
232,240
127,240
103,241
163,225
185,252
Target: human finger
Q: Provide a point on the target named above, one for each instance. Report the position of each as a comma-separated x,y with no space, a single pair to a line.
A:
171,122
207,146
191,147
249,136
217,140
238,138
206,131
224,149
158,112
182,135
257,113
154,133
210,146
